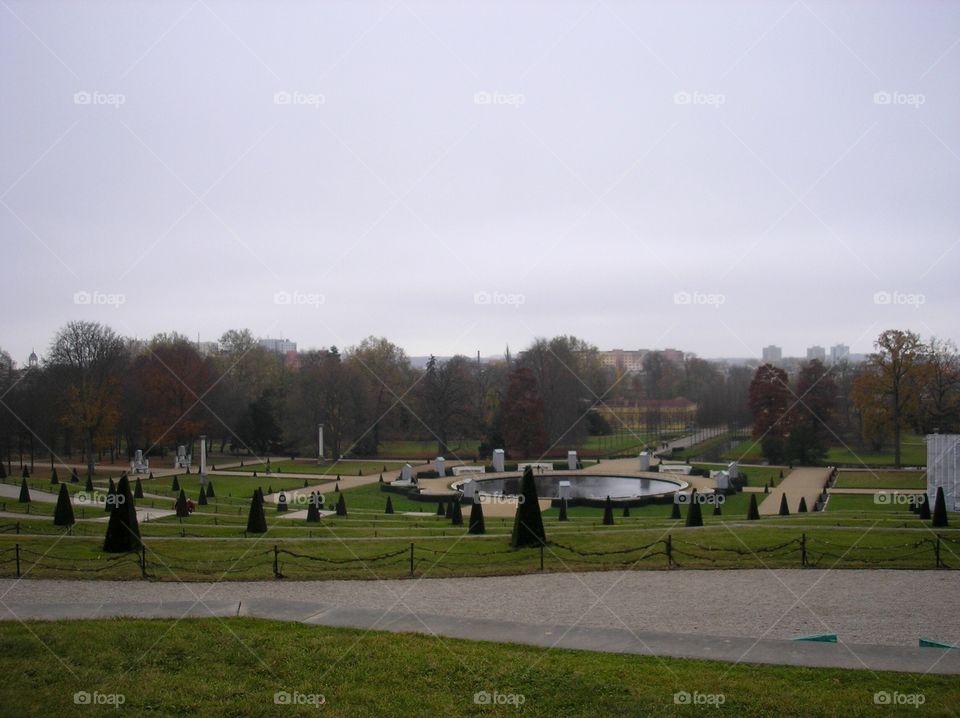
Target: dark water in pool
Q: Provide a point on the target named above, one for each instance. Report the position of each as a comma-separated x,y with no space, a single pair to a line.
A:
596,487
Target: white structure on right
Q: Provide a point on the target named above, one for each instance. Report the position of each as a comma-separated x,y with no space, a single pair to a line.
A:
644,461
572,460
943,468
498,460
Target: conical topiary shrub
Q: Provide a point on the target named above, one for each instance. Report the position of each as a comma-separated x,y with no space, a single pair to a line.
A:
753,513
784,509
802,508
563,509
53,477
202,497
63,515
924,510
476,525
781,473
337,487
694,512
626,512
341,506
389,509
25,472
381,478
448,511
675,510
457,517
74,477
440,511
24,492
175,486
716,509
608,513
527,522
766,488
281,503
138,489
210,494
3,471
269,490
183,511
313,508
89,485
256,519
123,529
111,498
305,483
939,510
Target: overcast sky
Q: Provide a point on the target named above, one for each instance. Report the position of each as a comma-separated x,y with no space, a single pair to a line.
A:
460,176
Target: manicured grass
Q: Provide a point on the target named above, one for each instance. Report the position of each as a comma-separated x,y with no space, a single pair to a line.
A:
428,449
330,468
882,501
881,479
747,451
234,667
913,451
704,446
237,487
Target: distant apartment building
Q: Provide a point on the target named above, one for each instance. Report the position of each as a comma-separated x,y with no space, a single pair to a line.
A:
772,354
674,356
624,361
208,348
839,352
279,346
816,352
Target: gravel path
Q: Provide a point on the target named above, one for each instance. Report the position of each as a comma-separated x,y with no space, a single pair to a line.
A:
879,607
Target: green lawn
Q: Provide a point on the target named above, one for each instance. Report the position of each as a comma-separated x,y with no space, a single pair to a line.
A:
881,479
913,453
747,452
236,666
330,468
884,502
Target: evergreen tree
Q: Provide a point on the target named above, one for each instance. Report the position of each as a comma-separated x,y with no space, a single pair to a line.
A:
210,494
181,505
924,507
784,509
626,512
176,484
341,506
25,473
608,513
138,489
89,485
802,508
939,510
440,511
448,512
202,497
256,520
563,509
753,513
111,498
694,511
527,522
63,515
313,509
53,477
476,525
389,509
3,471
675,511
123,529
457,518
74,477
24,492
716,508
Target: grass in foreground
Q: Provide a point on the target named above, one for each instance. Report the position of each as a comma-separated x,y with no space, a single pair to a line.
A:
232,667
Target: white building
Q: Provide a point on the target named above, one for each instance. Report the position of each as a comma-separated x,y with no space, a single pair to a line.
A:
943,468
624,361
280,346
839,352
816,352
772,354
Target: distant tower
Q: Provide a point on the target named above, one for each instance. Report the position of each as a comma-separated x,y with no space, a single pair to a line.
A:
33,360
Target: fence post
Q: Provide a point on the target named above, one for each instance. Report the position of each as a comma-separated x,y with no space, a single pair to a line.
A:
411,559
937,550
17,547
541,555
276,561
803,549
669,551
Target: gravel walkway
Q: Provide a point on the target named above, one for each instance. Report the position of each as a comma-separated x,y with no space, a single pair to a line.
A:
873,607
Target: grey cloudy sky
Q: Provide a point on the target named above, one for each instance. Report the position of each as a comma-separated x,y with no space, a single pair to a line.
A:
454,176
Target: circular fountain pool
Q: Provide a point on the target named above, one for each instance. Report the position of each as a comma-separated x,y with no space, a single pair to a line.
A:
582,486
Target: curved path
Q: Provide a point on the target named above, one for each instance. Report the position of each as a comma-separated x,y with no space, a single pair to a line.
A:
728,615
